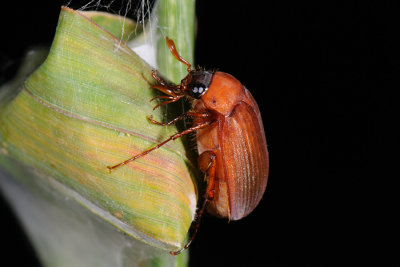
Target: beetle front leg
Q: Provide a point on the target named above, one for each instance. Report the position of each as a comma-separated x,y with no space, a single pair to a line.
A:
160,80
163,89
207,163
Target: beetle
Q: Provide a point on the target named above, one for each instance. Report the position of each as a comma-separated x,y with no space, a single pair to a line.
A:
230,139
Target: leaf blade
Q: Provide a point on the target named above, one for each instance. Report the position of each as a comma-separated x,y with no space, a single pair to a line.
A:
75,117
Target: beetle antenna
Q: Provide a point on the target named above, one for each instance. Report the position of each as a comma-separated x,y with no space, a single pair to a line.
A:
174,52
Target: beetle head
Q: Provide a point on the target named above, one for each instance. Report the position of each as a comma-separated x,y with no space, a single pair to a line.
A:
199,83
196,83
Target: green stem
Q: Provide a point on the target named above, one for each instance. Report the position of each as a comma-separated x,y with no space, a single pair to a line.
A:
176,20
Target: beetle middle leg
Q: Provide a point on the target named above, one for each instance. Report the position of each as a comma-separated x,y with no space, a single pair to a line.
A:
199,115
207,164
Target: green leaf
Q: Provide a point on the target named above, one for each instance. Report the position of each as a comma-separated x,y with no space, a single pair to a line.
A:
121,27
84,109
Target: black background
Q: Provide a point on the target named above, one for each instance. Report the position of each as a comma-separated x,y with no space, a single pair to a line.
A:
312,69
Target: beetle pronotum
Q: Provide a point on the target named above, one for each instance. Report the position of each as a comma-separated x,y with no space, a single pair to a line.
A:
230,139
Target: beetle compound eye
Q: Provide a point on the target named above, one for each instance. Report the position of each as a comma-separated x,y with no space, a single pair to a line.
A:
196,90
199,84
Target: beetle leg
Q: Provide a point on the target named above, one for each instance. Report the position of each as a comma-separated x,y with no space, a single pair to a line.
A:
174,99
164,89
150,118
172,137
159,79
162,97
210,157
188,114
207,161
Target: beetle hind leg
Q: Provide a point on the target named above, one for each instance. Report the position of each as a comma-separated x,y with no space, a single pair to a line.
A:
207,163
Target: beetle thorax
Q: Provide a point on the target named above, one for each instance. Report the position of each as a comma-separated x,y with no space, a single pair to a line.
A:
223,94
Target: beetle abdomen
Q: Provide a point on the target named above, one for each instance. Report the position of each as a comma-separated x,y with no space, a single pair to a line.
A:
245,157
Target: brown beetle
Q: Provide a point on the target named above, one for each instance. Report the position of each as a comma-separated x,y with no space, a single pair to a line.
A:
230,139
